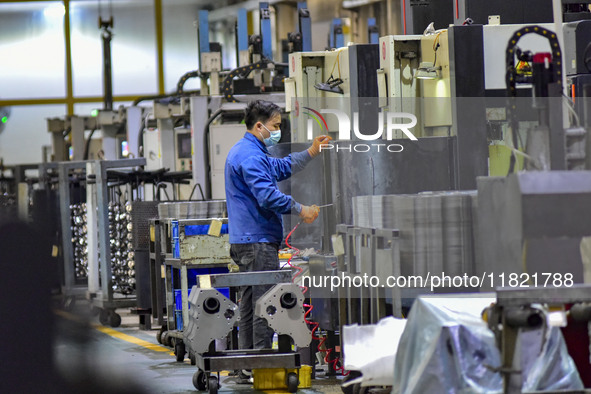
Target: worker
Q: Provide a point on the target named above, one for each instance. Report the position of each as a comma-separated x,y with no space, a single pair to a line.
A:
255,206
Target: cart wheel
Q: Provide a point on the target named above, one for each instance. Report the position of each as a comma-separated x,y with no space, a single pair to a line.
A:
160,332
164,338
104,317
114,319
200,380
212,385
292,382
193,358
179,351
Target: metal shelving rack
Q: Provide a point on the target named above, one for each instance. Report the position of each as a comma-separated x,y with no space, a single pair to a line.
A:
101,292
71,289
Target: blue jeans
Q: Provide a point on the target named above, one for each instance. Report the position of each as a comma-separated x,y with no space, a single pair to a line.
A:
254,333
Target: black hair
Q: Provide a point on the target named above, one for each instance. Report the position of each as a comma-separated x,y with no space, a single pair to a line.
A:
259,111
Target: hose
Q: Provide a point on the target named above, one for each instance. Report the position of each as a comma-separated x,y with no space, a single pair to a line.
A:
510,76
87,145
315,325
206,151
184,78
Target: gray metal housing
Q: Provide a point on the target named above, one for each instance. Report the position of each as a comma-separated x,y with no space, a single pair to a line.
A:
285,320
206,321
539,215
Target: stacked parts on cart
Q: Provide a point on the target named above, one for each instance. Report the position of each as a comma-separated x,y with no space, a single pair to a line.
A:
120,238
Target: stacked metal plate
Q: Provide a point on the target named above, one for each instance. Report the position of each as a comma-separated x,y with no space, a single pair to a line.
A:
193,209
436,228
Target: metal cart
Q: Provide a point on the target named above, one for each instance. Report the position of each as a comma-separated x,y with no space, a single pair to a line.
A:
192,248
212,317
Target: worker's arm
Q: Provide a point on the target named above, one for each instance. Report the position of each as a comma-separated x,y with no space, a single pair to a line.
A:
290,164
258,174
295,162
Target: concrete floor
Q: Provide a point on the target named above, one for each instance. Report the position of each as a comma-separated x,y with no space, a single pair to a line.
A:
127,359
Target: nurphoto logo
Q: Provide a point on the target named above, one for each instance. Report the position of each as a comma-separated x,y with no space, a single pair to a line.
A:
392,123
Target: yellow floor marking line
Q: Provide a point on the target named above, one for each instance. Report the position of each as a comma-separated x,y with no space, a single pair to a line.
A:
114,333
131,339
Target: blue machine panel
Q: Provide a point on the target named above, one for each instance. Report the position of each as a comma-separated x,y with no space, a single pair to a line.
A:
266,30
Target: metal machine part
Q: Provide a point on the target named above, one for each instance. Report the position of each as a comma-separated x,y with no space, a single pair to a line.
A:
514,314
80,250
211,316
193,210
363,252
199,248
425,165
546,143
577,52
419,13
437,229
122,255
326,308
141,213
515,238
210,62
221,139
283,308
214,360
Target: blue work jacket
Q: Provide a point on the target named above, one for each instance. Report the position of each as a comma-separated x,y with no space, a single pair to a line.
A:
254,202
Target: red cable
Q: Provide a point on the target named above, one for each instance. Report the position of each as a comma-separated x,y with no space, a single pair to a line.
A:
404,15
309,310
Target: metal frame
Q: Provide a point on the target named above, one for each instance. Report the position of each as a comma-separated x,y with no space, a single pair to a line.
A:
375,252
510,300
70,289
157,258
104,297
508,297
182,266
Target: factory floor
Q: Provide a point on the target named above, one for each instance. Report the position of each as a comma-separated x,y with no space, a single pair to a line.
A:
127,359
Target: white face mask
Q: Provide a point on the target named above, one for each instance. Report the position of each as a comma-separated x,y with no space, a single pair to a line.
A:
274,137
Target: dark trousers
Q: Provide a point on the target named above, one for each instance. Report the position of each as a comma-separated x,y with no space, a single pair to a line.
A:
254,333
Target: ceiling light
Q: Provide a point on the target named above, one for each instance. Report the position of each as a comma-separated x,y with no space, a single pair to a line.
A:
54,11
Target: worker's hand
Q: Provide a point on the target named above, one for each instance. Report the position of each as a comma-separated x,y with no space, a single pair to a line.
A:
309,214
320,141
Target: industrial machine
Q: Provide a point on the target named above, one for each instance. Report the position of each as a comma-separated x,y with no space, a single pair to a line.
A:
418,14
73,137
577,58
519,311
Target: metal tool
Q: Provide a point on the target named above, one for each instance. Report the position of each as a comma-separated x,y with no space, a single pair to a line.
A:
325,205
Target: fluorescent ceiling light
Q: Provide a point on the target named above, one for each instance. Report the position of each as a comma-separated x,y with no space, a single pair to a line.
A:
52,11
